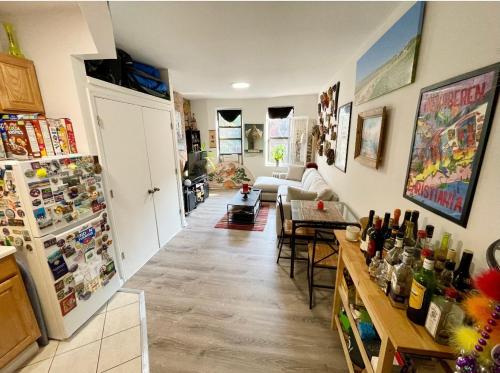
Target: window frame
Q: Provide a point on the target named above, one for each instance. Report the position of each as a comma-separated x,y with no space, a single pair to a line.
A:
229,138
286,161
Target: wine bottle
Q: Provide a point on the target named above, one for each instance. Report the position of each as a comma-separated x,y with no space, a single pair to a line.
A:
373,238
406,217
422,289
368,225
410,237
461,277
386,233
442,252
414,219
396,216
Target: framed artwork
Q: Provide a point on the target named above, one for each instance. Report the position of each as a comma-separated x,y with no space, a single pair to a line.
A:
370,133
212,139
254,134
452,124
391,62
342,143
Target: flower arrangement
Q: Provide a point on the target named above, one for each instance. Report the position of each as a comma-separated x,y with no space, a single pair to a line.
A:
278,153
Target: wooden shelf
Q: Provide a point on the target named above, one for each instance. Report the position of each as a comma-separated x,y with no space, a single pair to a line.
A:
391,323
344,344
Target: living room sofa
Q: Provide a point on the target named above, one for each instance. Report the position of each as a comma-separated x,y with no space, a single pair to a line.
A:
311,182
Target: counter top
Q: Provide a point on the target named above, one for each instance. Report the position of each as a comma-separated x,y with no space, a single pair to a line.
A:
6,251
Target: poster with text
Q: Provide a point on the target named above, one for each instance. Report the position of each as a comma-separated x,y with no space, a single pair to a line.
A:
449,140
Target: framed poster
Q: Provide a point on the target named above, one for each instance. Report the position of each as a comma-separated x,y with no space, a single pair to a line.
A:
391,62
452,124
254,134
370,134
343,129
212,139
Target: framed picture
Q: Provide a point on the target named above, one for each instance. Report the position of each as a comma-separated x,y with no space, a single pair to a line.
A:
391,62
342,143
452,124
254,134
370,133
212,139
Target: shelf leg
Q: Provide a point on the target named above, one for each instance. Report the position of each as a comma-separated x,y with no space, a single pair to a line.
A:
336,296
386,356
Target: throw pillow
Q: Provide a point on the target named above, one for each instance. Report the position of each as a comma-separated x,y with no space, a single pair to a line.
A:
312,165
295,172
300,195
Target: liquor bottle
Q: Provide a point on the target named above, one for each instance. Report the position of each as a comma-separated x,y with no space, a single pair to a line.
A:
420,244
392,258
461,277
374,267
406,217
395,219
429,232
391,240
410,237
385,225
445,278
368,225
414,219
444,316
401,281
373,236
422,289
442,252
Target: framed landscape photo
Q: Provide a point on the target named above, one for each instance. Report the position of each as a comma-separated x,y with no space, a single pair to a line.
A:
370,134
451,131
342,141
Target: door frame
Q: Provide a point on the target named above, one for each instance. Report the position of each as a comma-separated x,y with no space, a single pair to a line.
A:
95,88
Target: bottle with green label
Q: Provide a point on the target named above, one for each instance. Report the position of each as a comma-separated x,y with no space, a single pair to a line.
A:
422,289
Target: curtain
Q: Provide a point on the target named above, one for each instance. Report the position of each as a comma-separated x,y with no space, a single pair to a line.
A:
229,115
279,112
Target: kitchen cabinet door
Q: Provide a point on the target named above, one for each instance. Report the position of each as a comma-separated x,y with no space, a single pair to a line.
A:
17,321
162,164
19,90
127,175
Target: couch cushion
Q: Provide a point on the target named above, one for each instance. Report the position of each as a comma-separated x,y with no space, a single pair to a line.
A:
319,186
271,184
311,176
283,191
295,172
300,194
306,174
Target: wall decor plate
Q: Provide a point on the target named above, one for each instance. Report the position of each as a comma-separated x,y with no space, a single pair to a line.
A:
342,136
330,156
370,134
452,126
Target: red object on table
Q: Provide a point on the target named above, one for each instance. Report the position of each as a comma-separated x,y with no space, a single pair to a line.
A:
245,188
321,205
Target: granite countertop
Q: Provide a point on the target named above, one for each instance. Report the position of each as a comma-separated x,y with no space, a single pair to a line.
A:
6,251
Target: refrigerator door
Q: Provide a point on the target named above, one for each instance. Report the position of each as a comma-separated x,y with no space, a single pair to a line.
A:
80,268
60,192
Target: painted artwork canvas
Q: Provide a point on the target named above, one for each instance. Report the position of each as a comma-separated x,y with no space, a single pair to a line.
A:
391,62
451,130
370,137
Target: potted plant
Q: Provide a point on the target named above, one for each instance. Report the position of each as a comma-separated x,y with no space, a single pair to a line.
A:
278,153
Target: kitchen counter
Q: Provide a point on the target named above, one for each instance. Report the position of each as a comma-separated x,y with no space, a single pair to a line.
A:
6,251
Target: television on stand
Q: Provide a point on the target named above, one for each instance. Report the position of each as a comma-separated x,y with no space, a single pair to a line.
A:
197,165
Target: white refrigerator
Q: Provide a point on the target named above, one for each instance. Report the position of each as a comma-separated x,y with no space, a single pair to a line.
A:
53,211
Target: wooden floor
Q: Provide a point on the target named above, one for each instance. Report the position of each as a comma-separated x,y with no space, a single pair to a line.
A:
217,302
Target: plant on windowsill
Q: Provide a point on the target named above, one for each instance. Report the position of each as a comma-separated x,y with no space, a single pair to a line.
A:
278,153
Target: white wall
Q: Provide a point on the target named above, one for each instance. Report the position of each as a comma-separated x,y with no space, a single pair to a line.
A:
253,111
54,36
457,38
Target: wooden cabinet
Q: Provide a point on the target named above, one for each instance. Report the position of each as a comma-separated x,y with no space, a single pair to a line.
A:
17,320
19,90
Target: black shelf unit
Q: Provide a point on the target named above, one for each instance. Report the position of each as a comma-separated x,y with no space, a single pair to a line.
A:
195,193
193,140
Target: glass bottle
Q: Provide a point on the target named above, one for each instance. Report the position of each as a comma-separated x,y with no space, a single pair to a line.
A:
406,217
422,289
444,316
461,277
371,214
414,219
374,267
442,251
14,49
385,226
395,218
391,241
392,258
372,237
410,238
401,281
429,233
445,278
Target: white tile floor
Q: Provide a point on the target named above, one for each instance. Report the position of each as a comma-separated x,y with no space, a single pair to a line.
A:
109,342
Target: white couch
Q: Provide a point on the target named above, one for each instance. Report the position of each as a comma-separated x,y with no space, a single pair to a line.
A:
311,181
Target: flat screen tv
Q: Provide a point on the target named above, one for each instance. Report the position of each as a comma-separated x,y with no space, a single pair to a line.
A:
197,165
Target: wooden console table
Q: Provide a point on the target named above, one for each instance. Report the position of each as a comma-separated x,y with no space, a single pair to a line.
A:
396,332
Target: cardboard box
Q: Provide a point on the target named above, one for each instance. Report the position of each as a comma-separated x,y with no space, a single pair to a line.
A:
63,136
44,129
17,145
71,135
34,139
54,136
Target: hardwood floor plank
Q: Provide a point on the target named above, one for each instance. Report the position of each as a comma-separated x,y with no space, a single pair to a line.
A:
218,302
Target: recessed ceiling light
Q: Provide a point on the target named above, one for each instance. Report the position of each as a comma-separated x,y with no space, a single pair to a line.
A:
240,85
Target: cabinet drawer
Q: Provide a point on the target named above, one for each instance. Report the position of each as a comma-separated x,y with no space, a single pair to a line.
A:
8,267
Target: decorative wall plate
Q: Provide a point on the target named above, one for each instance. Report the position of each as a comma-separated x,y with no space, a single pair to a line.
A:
330,156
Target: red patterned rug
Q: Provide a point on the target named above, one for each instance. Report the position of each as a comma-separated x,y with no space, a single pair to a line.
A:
259,225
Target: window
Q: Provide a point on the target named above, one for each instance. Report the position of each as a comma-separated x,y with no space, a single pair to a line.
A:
229,131
279,123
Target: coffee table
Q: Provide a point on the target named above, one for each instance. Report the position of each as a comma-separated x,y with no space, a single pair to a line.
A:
244,211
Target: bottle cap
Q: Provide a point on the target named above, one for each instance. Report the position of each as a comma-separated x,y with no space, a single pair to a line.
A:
428,264
421,233
429,230
451,293
426,253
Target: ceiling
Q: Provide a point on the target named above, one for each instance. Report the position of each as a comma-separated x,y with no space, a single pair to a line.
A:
280,48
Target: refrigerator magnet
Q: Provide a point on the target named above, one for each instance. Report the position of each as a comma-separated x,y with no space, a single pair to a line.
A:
59,285
57,265
29,173
68,304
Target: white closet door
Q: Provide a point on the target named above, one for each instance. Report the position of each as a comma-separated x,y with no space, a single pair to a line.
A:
161,156
128,176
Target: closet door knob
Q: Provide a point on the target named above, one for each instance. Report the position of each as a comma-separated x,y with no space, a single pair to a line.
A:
151,191
156,189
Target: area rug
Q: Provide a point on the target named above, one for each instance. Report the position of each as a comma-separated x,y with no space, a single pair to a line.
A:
258,226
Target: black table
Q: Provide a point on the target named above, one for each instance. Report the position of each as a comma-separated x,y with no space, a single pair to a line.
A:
336,215
244,210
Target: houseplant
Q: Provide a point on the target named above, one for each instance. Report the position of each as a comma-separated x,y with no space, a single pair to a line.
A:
278,153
